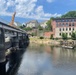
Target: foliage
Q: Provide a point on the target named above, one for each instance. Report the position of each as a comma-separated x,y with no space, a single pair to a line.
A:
41,37
56,38
27,29
70,14
32,34
64,36
51,37
21,27
40,28
73,36
49,26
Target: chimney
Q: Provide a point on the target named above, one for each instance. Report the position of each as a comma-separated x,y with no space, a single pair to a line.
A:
12,21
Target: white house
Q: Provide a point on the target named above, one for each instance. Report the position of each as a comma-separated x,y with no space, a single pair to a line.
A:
32,24
43,24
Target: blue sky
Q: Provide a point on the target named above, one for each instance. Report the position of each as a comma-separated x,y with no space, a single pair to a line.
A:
40,10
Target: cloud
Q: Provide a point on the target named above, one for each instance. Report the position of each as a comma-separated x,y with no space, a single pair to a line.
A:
50,1
25,9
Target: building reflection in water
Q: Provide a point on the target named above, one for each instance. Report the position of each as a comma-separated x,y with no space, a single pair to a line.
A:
62,55
47,60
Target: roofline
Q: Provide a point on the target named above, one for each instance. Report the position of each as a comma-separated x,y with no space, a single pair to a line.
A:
64,18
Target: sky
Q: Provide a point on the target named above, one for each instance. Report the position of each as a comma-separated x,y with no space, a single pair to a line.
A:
40,10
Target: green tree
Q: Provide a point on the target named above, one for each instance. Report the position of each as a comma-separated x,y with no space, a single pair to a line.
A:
51,37
64,36
40,28
73,36
27,29
21,27
70,14
33,34
49,26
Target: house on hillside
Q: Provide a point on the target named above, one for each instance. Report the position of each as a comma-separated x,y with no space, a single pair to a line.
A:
32,24
43,24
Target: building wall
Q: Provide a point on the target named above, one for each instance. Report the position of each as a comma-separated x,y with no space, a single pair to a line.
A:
31,25
53,23
48,34
64,30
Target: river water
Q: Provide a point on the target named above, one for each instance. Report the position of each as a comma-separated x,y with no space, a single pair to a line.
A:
47,60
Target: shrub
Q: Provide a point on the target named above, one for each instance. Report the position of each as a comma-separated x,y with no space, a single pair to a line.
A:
56,38
41,37
73,36
64,36
51,37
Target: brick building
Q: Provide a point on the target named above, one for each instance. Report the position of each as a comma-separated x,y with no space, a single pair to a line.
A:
63,25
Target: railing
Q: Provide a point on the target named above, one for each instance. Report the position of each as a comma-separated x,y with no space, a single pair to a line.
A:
11,38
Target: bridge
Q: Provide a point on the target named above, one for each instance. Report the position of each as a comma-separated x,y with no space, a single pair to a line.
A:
11,40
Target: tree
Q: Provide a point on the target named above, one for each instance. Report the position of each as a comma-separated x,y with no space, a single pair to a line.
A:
64,36
73,36
40,28
70,14
27,29
51,37
21,27
49,26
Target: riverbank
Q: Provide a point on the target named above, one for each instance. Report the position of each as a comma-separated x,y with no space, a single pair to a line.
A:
45,41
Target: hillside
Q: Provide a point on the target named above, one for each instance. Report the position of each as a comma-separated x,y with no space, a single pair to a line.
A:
70,14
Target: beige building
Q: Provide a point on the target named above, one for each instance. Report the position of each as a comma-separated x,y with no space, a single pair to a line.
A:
32,24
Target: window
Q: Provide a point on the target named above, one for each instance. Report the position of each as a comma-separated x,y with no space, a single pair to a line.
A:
69,33
63,20
66,24
63,29
56,21
69,28
69,24
72,20
73,29
66,33
62,23
66,20
66,29
60,29
72,24
60,34
57,24
69,20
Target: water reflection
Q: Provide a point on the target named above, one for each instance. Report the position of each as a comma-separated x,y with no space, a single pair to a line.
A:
47,60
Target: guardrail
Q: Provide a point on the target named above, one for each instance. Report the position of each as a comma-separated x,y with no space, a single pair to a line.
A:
10,37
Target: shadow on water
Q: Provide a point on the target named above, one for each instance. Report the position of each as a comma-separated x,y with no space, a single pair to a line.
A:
14,60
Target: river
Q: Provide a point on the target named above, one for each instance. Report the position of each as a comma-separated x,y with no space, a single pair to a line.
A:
47,60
